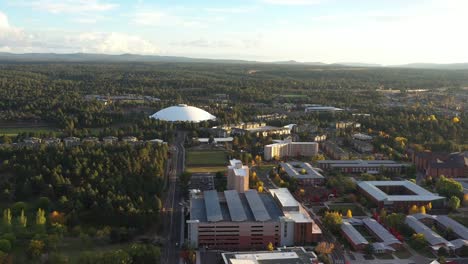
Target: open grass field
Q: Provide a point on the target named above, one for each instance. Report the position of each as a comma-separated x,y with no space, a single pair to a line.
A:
206,158
206,161
206,169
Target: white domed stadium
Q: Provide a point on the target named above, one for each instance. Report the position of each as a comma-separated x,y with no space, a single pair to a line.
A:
183,113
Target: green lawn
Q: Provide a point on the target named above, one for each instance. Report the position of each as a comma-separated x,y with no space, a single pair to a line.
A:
206,158
205,169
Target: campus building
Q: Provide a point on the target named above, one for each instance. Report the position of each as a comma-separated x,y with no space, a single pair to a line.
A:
303,172
396,195
362,166
422,223
290,149
288,255
231,220
454,165
334,151
237,176
385,241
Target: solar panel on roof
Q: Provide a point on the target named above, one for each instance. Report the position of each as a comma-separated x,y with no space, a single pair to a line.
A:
256,205
213,208
236,210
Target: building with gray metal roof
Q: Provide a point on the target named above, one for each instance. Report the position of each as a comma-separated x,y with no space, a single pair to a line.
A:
291,255
303,172
234,220
400,195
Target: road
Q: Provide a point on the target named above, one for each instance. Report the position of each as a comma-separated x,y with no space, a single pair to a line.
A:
172,212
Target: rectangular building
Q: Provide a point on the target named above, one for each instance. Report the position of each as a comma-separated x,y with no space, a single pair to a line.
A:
362,166
237,176
290,149
303,172
242,221
397,195
288,255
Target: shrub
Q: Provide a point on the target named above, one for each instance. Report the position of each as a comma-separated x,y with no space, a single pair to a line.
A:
5,245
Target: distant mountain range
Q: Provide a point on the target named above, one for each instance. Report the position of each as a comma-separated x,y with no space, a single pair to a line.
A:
90,57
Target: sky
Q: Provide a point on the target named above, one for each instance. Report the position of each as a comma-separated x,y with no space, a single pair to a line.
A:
369,31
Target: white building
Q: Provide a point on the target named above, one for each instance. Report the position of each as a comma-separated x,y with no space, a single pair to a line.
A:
290,149
238,176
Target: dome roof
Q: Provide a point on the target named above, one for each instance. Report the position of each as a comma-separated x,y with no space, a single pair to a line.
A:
184,113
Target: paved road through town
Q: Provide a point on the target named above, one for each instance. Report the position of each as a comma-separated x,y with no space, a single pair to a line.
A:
171,217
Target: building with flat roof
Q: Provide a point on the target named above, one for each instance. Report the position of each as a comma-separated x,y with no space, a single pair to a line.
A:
237,176
385,241
434,164
362,146
286,148
319,108
361,136
398,195
334,151
362,166
288,255
303,172
250,220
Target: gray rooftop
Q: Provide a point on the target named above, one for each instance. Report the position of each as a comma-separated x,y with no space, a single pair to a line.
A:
236,210
265,207
446,222
382,233
421,194
295,255
256,205
431,237
353,234
292,171
213,209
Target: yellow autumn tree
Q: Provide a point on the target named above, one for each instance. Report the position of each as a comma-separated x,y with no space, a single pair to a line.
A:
429,206
301,192
270,247
456,119
23,220
324,248
260,188
40,217
7,217
422,209
414,209
349,213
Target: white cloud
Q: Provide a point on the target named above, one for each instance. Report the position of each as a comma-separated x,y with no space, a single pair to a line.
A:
69,6
154,18
112,43
231,10
13,39
293,2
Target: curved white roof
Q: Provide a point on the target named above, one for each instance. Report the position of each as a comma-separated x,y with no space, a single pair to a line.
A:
183,112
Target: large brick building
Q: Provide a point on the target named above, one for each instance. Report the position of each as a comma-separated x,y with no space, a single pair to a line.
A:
454,165
250,220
